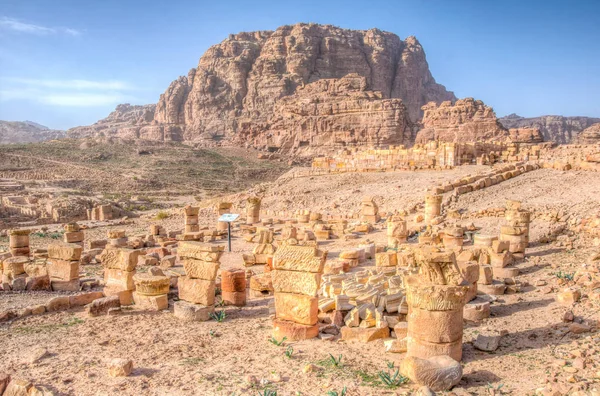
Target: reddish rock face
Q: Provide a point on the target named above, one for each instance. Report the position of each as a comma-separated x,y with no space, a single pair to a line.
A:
253,87
590,135
467,120
558,129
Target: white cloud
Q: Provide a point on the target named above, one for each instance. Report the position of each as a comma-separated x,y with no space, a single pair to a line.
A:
30,28
71,84
67,93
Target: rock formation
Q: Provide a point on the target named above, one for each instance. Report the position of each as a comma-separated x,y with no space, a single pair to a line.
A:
590,135
26,132
559,129
252,87
126,122
469,120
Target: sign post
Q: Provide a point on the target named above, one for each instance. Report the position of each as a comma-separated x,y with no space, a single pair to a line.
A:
229,218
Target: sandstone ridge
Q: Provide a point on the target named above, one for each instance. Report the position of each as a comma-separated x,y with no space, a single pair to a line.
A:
253,84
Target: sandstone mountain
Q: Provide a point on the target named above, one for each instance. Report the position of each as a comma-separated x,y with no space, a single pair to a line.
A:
299,85
26,132
559,129
468,120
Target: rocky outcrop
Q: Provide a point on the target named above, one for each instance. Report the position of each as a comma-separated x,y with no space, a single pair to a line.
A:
466,120
558,129
12,132
126,121
469,120
590,135
332,113
235,92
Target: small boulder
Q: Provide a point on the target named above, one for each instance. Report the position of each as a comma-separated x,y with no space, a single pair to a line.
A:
120,367
439,373
487,343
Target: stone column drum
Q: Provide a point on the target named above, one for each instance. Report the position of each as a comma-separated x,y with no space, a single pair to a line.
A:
233,287
435,298
252,210
191,219
18,241
433,207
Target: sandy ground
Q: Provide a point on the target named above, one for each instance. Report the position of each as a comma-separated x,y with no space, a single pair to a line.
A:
176,358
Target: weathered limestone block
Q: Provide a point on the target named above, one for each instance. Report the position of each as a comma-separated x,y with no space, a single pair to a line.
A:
64,251
189,210
119,278
199,251
299,258
59,285
192,312
148,285
151,302
307,283
397,231
198,269
125,296
63,270
121,258
73,237
197,291
365,334
298,308
293,331
386,259
476,310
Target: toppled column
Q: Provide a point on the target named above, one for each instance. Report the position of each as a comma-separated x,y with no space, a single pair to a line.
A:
63,266
397,231
252,210
73,234
433,207
151,291
296,280
436,297
369,211
18,241
190,220
223,208
197,287
233,287
119,268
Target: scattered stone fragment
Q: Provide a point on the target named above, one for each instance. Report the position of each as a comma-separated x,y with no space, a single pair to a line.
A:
120,367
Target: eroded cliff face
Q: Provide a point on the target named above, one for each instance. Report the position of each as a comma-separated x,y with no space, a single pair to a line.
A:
590,135
469,120
331,113
235,92
466,120
558,129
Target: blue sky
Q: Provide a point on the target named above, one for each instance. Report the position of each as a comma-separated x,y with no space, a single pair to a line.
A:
68,63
